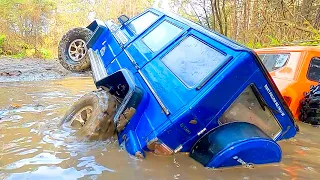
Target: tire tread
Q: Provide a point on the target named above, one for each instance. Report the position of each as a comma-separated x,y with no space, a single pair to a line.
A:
64,59
310,106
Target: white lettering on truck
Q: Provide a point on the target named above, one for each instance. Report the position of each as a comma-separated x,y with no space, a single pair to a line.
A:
274,99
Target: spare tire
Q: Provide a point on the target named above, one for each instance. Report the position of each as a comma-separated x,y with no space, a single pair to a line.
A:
93,114
72,50
310,106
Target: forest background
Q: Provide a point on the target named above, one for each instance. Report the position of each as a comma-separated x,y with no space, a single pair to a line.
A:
33,28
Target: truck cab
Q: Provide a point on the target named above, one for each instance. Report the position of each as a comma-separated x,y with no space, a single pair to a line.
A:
189,90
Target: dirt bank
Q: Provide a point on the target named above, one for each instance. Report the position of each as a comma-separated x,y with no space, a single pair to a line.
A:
32,70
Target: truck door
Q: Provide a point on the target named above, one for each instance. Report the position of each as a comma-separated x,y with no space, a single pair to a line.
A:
147,48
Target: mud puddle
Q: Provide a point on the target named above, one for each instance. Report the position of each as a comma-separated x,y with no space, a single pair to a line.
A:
33,147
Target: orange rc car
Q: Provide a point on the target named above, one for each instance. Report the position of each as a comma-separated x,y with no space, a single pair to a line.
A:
296,72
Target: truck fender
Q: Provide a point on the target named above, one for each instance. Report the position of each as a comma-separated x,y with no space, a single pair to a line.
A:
94,24
97,27
122,85
290,93
237,143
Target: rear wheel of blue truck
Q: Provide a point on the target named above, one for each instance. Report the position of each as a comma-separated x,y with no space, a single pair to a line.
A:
72,50
92,115
310,106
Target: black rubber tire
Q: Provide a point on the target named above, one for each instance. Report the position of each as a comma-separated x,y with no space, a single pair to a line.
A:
100,125
63,55
310,106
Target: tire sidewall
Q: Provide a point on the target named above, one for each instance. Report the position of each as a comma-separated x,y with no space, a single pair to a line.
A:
87,100
100,124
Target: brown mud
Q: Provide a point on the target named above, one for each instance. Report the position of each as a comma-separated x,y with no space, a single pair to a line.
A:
124,118
32,146
33,70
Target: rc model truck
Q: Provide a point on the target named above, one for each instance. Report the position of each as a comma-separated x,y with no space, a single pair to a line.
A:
296,72
167,85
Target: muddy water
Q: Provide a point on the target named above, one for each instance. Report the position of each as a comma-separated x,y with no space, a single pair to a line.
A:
33,147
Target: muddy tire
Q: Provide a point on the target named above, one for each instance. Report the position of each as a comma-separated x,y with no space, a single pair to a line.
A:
310,106
93,114
72,50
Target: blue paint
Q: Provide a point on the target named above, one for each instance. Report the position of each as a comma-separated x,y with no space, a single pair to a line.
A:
185,98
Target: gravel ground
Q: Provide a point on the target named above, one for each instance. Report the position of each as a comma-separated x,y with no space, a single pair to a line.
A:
33,70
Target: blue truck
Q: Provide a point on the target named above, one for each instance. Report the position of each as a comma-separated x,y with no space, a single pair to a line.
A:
168,85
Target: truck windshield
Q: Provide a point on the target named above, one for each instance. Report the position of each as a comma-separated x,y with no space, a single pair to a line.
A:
274,61
246,108
143,22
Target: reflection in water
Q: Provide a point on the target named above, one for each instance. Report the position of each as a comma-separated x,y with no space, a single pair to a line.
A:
33,147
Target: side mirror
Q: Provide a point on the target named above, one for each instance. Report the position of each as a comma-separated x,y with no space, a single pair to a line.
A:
123,19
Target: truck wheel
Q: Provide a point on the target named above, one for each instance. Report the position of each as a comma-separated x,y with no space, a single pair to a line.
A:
310,106
93,114
72,51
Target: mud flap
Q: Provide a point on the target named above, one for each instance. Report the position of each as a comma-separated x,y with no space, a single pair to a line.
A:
233,144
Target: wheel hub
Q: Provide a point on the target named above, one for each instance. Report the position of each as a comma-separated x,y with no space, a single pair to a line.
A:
77,50
81,117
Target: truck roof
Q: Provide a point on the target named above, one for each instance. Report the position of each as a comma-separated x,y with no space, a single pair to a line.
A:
289,49
209,32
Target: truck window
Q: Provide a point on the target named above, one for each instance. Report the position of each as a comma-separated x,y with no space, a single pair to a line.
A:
314,69
161,35
274,61
246,108
192,60
143,22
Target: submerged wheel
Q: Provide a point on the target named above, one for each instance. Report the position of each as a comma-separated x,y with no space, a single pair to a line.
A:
310,106
93,114
72,51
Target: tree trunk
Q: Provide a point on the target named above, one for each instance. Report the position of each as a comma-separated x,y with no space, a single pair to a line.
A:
218,15
225,18
245,21
206,14
316,22
213,15
306,9
235,20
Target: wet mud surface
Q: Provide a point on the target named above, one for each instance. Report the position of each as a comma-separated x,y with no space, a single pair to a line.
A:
32,146
33,70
